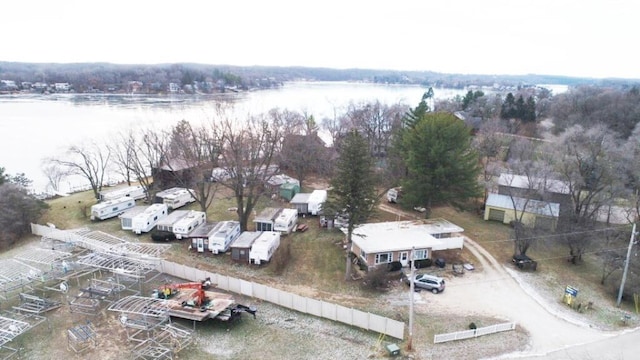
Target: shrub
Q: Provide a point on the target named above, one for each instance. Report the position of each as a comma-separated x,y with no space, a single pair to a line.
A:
281,258
376,279
472,326
423,263
394,266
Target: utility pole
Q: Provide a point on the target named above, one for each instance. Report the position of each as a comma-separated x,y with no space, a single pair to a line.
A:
411,292
626,265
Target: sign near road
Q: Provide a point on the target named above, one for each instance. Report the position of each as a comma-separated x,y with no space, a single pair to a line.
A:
570,294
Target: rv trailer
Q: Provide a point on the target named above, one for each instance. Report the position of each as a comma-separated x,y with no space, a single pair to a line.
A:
222,239
188,223
316,199
264,247
166,224
146,220
126,218
178,199
112,208
286,221
136,192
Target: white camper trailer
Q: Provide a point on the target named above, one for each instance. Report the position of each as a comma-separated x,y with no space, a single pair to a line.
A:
146,220
264,247
188,223
112,208
178,199
316,199
286,221
224,236
166,224
126,219
135,192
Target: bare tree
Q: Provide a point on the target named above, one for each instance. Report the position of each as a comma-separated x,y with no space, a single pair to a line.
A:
590,162
123,150
192,154
490,143
248,151
55,174
89,161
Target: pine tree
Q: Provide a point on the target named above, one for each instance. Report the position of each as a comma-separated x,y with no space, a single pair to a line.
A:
443,168
353,187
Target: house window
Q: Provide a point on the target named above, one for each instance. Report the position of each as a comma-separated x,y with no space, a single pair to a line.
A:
383,258
363,254
420,254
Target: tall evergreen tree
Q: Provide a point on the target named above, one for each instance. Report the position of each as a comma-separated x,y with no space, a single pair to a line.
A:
353,187
413,115
443,168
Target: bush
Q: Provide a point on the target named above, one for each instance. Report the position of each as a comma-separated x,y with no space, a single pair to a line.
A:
376,279
394,266
472,326
281,258
423,263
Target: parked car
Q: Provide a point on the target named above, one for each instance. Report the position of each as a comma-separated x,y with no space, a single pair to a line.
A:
523,262
428,282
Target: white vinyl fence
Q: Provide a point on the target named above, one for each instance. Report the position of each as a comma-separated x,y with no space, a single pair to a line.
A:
466,334
289,300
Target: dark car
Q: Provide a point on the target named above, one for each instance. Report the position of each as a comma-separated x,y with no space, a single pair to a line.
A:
428,282
523,262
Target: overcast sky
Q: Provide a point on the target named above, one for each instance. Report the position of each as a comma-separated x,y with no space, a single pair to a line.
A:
584,38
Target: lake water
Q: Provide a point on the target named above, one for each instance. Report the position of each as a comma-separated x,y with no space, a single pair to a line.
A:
35,127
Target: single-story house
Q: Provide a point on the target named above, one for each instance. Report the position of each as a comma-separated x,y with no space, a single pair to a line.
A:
266,219
386,242
534,213
534,188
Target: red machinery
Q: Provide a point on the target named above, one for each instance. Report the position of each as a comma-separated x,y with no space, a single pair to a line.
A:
199,299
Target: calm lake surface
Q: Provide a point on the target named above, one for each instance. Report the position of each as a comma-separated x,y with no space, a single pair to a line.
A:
35,127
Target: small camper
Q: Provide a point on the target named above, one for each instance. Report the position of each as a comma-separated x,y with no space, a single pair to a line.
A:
222,239
241,246
126,218
394,194
146,220
136,192
112,208
264,247
160,195
188,223
202,235
178,199
316,199
286,221
166,224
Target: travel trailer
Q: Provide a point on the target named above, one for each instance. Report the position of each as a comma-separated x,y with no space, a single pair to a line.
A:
135,192
187,224
286,221
264,247
224,236
166,224
394,194
148,219
126,218
160,195
316,199
112,208
178,199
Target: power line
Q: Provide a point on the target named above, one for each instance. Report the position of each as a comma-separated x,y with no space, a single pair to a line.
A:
557,235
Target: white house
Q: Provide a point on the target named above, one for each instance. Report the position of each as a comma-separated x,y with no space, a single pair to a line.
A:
386,242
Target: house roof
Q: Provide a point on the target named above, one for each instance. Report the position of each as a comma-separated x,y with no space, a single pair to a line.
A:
395,236
524,182
530,206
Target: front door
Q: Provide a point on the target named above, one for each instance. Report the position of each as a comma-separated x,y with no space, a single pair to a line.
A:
404,258
200,245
